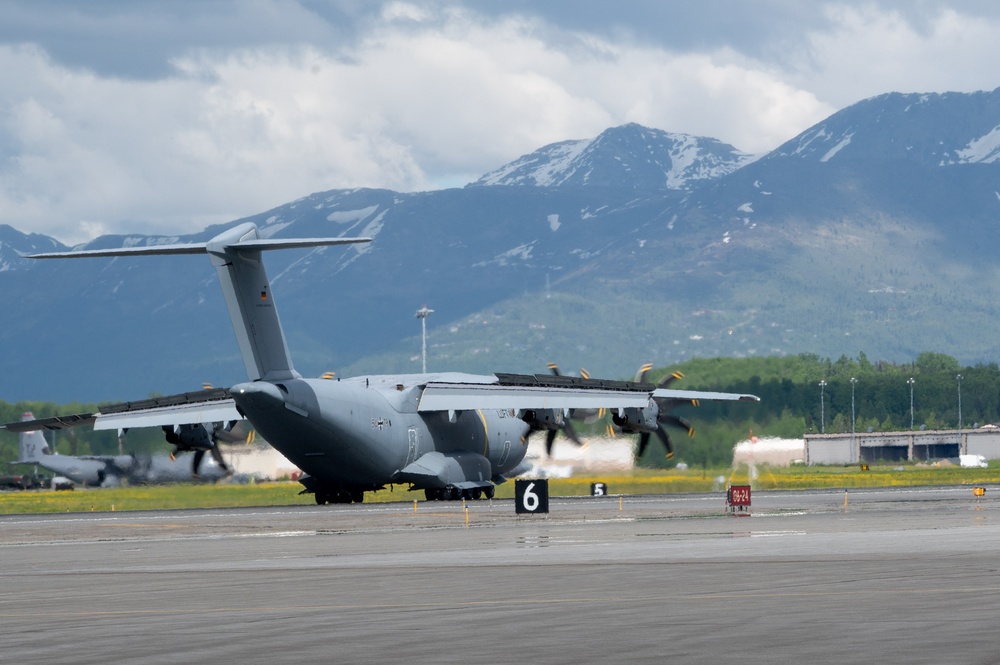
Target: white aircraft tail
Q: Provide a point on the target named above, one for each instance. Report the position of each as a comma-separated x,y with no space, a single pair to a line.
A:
236,255
32,445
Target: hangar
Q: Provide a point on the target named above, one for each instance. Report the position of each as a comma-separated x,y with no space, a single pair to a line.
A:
912,446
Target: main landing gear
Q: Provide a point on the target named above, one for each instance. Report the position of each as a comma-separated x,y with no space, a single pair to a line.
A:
339,496
451,493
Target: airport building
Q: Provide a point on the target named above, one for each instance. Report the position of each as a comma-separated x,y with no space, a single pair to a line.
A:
912,446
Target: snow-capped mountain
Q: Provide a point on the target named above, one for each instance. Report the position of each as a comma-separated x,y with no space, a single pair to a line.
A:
931,129
630,156
873,231
14,244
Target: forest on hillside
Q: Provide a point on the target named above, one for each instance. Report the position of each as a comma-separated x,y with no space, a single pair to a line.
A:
793,402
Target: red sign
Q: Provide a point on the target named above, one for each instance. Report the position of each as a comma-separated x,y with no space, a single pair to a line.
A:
739,495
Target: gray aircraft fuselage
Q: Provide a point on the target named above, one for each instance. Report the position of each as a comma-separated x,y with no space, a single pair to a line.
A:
363,432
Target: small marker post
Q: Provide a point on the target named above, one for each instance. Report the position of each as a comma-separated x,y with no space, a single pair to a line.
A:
414,505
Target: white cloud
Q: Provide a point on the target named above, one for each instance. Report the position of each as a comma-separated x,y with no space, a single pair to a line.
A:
423,96
868,52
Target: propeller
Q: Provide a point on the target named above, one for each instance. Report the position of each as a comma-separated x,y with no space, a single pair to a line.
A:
201,438
564,424
664,405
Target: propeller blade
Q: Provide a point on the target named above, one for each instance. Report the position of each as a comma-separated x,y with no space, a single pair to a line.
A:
571,433
670,379
196,462
662,433
676,421
217,456
640,376
550,439
643,443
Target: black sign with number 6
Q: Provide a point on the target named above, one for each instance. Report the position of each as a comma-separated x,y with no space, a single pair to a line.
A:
531,496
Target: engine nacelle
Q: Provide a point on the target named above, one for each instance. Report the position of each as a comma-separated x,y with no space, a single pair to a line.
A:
543,418
637,420
188,437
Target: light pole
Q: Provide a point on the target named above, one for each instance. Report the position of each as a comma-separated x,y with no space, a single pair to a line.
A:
422,314
853,382
959,379
822,411
911,382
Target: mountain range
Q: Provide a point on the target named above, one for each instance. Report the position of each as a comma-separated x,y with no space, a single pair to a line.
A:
872,232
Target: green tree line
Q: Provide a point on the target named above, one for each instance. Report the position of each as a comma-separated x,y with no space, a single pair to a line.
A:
792,403
81,440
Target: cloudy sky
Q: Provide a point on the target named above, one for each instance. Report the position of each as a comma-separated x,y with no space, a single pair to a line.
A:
168,116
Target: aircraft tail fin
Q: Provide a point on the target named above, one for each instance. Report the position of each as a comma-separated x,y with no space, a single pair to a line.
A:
32,444
236,255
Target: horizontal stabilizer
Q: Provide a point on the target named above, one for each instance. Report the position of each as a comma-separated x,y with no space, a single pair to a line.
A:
256,244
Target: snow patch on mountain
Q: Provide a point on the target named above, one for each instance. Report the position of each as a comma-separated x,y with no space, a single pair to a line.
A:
844,142
350,216
545,167
983,150
519,253
628,156
150,241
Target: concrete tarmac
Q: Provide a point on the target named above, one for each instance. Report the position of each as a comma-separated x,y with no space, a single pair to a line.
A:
893,576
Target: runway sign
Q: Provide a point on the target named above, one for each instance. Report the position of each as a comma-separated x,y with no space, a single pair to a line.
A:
738,500
598,489
739,495
531,496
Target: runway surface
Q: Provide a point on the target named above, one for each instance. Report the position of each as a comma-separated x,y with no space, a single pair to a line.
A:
895,576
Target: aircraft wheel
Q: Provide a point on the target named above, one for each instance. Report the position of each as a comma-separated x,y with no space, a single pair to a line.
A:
358,496
432,494
489,492
320,499
477,494
454,494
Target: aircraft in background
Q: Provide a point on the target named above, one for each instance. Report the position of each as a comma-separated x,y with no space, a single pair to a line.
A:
112,470
451,435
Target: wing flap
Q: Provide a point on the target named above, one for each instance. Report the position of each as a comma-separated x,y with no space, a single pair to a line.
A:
53,423
182,414
203,406
667,393
470,396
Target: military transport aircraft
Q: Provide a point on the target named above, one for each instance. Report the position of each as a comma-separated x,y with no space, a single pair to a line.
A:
113,470
451,435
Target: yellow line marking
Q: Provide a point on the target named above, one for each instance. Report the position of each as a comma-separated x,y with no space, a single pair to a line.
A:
486,433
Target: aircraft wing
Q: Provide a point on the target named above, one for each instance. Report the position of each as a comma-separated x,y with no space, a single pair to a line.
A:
543,391
696,395
203,406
